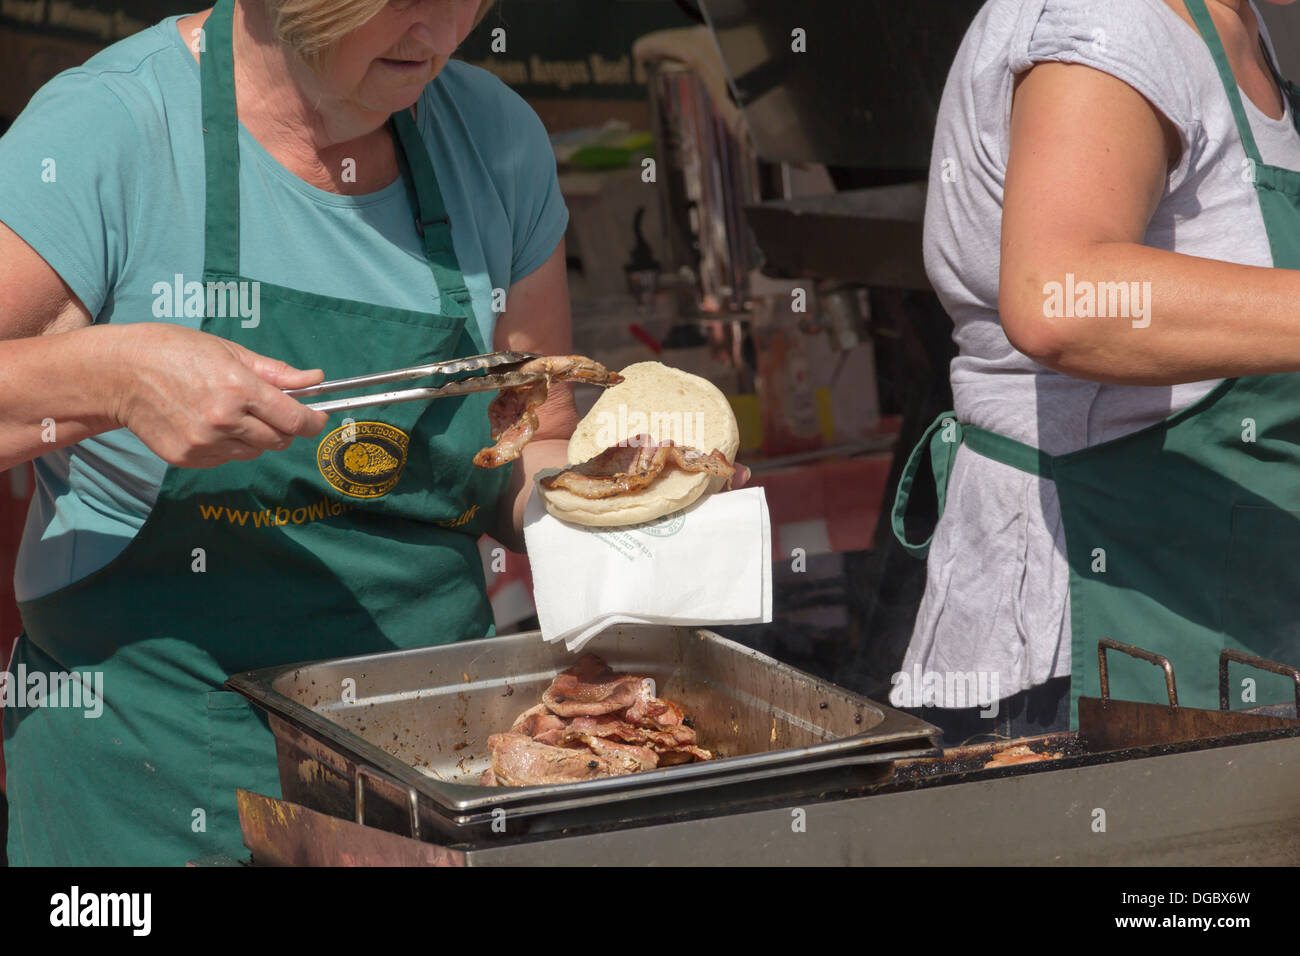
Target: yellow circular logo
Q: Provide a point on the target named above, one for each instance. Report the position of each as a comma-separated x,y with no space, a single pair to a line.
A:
363,459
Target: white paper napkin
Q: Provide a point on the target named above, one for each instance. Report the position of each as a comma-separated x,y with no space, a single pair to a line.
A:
708,564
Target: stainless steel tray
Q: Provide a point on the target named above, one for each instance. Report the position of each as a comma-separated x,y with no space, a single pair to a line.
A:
412,738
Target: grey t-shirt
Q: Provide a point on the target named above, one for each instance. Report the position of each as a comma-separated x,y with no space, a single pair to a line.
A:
996,595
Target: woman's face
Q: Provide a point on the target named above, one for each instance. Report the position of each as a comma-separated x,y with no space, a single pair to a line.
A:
383,65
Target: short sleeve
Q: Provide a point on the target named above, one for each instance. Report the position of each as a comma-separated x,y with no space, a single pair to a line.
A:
68,184
539,216
1132,40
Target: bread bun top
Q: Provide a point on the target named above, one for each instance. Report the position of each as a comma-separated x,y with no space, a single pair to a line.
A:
668,405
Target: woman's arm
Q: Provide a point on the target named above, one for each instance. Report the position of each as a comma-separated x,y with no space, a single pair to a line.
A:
195,399
1087,167
537,320
44,375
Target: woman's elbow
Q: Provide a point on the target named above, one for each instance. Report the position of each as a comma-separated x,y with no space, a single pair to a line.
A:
1028,326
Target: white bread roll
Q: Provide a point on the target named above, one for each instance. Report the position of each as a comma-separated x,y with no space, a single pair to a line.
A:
667,404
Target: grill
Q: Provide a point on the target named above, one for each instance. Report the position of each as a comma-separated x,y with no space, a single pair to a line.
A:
404,749
809,773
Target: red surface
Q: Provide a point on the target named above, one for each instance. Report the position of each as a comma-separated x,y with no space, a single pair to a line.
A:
514,576
15,492
845,493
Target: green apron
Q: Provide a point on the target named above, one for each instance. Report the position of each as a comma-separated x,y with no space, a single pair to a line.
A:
1183,537
360,540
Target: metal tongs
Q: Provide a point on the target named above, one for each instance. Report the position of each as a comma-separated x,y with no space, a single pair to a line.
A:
506,374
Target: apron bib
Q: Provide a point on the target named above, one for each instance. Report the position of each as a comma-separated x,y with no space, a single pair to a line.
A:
360,540
1183,537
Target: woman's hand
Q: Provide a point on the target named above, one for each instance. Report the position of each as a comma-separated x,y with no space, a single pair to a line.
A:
537,319
198,400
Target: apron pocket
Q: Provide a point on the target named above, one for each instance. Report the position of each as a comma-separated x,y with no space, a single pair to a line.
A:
1261,600
240,754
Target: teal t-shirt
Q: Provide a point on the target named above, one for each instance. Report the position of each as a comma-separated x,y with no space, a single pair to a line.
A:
102,174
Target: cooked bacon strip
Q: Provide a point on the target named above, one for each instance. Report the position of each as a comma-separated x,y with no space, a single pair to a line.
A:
592,722
513,413
589,688
673,744
650,711
627,757
683,755
1018,754
519,761
540,724
631,467
513,418
659,738
669,759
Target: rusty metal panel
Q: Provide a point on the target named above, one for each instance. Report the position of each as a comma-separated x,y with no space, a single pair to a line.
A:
280,833
1236,805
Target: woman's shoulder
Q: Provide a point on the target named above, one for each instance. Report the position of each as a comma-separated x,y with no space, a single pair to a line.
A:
486,126
129,78
1142,42
490,110
128,55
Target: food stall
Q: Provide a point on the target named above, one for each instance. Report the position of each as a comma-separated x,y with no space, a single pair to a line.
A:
815,773
750,213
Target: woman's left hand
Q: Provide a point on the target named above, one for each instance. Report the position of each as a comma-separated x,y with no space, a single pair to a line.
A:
537,319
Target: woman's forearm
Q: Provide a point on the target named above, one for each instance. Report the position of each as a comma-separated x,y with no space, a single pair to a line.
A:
537,454
1121,312
55,390
557,417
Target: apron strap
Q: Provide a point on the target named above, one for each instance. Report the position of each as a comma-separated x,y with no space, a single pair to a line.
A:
942,440
432,221
1008,451
221,171
220,142
1210,33
1289,89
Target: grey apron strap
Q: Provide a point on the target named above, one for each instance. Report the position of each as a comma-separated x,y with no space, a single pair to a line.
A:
942,440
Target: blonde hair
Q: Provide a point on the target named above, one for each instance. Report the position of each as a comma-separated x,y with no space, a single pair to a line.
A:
313,27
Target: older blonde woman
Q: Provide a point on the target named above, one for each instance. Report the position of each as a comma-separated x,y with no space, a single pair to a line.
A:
206,213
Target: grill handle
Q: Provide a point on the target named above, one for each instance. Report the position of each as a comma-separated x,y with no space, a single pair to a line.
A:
1250,660
412,797
1163,663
